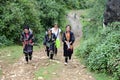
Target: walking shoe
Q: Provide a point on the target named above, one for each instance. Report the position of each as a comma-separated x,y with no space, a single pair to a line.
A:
65,64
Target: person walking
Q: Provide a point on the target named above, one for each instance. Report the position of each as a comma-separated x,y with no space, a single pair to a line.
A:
56,30
27,40
68,40
49,43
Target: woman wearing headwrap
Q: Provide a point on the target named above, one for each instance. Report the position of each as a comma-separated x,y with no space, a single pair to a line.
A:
68,40
27,39
49,43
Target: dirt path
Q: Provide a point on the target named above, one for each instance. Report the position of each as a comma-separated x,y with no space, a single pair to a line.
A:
73,71
23,71
74,21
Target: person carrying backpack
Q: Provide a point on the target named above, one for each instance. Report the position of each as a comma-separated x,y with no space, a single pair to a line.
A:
27,40
68,40
49,43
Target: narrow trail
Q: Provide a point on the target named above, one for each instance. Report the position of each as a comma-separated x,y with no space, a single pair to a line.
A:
74,21
22,71
73,71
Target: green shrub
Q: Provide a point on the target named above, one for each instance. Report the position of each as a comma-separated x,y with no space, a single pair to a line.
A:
86,47
106,57
101,46
4,41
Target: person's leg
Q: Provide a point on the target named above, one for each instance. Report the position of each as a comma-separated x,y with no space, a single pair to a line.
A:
70,52
70,60
66,59
26,57
55,50
47,50
70,56
30,56
51,54
52,49
65,54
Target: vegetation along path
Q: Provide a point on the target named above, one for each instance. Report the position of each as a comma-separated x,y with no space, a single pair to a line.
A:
40,68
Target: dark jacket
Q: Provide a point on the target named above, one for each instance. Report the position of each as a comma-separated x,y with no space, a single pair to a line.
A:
49,40
28,48
72,38
65,48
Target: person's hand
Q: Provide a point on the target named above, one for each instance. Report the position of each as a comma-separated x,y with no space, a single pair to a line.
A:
70,42
23,45
53,39
32,44
66,42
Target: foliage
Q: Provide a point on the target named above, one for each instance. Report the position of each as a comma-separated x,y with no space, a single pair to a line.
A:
103,76
100,48
77,4
38,14
10,54
15,14
4,41
51,12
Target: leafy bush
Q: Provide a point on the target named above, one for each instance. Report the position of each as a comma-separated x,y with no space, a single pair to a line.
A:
101,46
5,41
86,48
106,57
38,14
16,14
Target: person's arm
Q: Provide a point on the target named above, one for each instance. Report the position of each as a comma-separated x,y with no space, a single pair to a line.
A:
60,35
63,38
22,40
55,37
33,39
44,41
72,38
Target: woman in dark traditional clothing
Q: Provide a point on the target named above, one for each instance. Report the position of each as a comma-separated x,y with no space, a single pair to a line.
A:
49,43
68,40
27,39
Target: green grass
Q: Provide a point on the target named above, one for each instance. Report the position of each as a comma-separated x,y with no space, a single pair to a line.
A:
47,72
10,54
102,76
